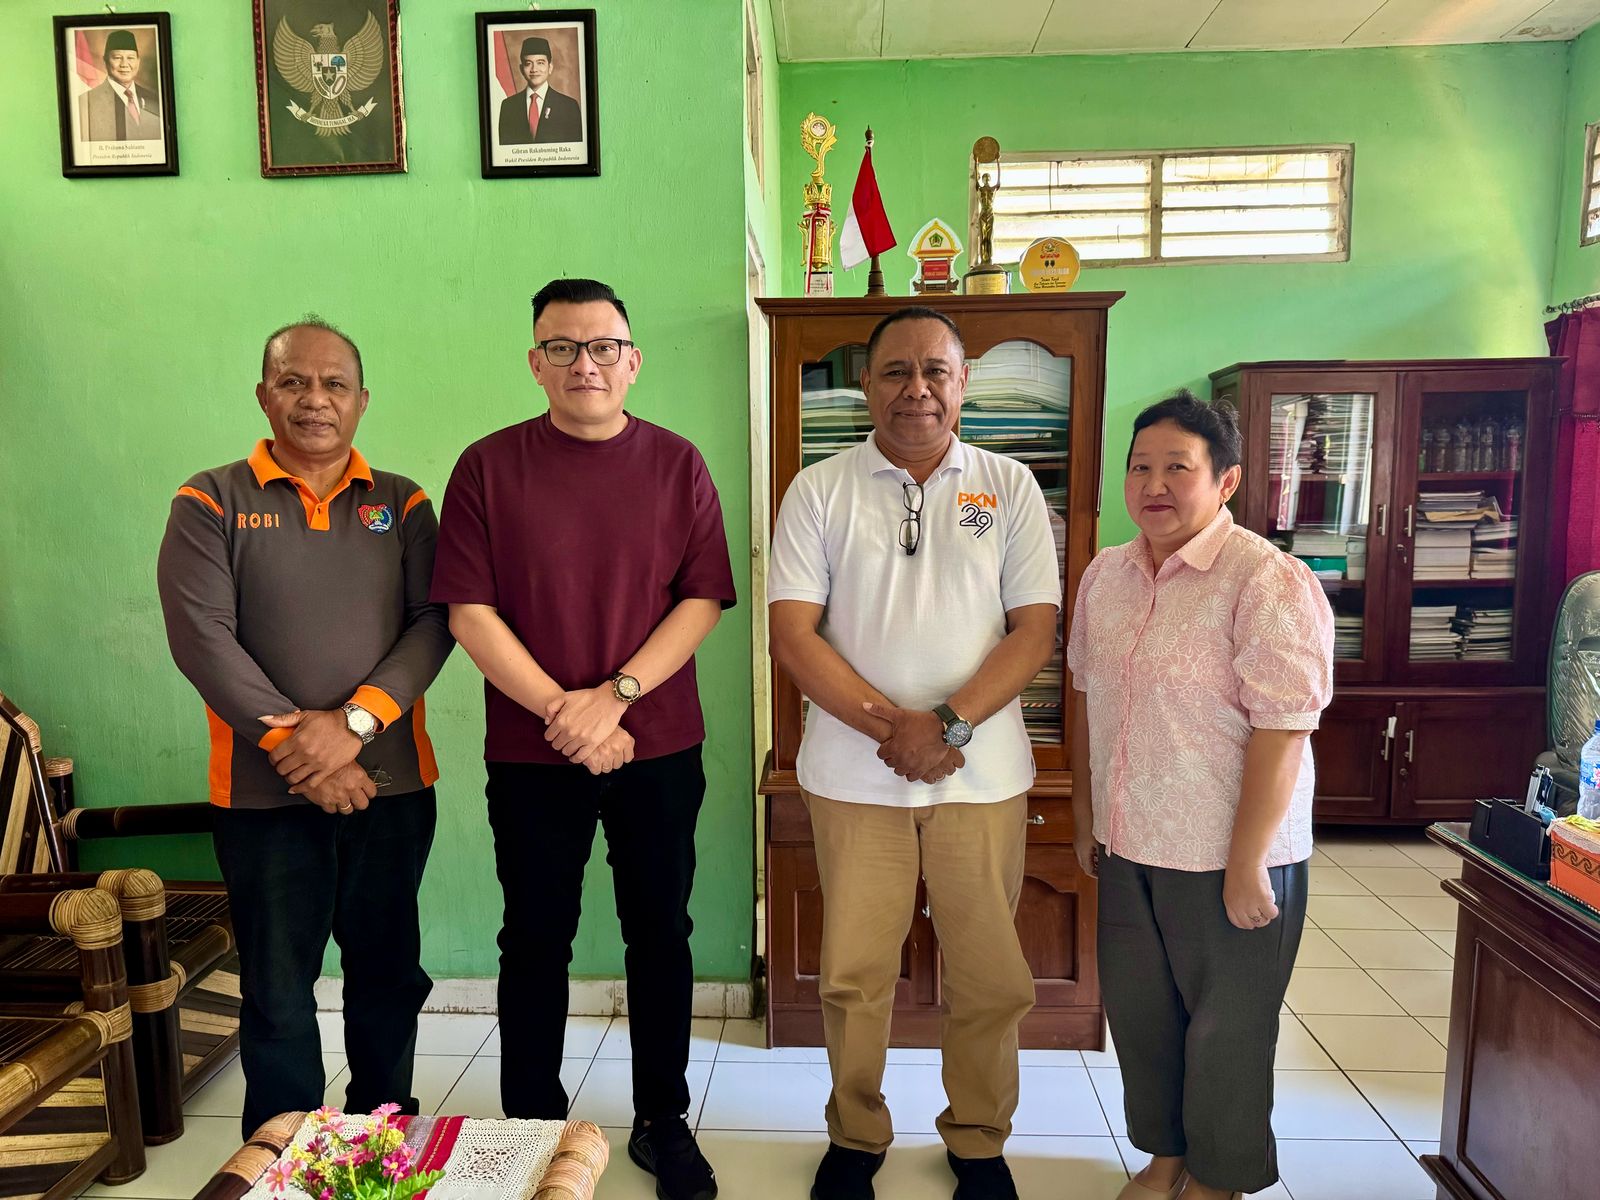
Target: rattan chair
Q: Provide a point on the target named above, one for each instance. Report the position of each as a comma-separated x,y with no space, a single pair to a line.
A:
69,1109
182,967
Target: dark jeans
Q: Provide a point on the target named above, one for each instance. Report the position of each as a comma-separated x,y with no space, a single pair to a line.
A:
1193,1006
294,876
543,817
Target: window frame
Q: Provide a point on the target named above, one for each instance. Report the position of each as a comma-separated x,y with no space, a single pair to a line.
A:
1591,197
1342,214
754,94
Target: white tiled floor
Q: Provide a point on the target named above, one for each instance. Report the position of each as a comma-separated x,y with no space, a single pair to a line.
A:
1359,1080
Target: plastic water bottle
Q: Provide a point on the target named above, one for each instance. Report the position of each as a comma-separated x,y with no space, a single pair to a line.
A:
1589,777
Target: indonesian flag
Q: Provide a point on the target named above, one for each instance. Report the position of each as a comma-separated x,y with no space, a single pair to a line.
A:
866,230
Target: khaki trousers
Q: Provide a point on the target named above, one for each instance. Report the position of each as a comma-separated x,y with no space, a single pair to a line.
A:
868,859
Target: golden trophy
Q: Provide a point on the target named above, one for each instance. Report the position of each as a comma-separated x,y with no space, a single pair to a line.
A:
816,138
985,278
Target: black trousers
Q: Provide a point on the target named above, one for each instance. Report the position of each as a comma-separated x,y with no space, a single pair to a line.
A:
1193,1006
294,876
544,817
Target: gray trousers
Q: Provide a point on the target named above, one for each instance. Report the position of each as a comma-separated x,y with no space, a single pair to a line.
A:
1193,1006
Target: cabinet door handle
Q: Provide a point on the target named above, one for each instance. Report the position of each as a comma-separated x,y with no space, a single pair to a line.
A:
1383,520
1411,745
1410,520
1036,819
1388,737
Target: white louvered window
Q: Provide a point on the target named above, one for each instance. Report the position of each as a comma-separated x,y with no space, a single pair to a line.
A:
1270,203
1591,191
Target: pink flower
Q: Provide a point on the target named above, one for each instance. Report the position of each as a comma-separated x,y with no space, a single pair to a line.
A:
386,1110
359,1139
327,1194
280,1174
327,1114
398,1165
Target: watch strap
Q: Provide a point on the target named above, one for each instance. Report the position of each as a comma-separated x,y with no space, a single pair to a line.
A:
946,714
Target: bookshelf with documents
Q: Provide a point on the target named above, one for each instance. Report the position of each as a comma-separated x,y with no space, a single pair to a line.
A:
1036,395
1418,493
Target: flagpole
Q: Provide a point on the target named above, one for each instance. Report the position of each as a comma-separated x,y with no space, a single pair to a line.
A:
874,272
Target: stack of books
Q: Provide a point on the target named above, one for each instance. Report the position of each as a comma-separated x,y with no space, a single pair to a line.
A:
1456,508
1041,704
1486,634
1443,552
1494,549
831,420
1433,634
1355,550
1347,628
1017,403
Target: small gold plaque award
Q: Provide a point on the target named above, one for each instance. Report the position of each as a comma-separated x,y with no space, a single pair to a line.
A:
1049,265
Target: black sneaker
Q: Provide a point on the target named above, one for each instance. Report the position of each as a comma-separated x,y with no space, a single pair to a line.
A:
667,1150
845,1174
982,1178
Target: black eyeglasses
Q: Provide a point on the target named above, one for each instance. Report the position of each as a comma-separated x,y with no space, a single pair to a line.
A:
563,352
911,527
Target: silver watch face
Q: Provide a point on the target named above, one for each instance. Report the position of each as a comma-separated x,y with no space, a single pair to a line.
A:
359,721
957,733
626,687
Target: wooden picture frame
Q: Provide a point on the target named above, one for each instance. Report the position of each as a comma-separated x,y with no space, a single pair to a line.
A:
328,87
564,138
107,129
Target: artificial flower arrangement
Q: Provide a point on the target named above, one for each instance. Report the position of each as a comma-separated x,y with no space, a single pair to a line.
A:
352,1158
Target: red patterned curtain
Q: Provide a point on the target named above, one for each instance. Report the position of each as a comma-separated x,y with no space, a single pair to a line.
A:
1576,337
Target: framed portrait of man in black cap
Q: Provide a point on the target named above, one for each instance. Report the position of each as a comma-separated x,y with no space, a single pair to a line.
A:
538,109
114,83
328,87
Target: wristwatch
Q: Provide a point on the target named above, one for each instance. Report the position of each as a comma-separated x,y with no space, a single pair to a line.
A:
360,722
625,688
957,732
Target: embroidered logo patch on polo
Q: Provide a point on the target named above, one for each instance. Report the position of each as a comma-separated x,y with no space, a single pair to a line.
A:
376,517
974,514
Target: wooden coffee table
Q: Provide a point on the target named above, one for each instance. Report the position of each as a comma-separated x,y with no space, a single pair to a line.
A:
520,1160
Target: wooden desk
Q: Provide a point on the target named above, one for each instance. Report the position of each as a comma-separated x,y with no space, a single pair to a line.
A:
1522,1081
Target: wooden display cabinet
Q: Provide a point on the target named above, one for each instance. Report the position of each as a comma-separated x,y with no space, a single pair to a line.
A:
1372,473
1036,394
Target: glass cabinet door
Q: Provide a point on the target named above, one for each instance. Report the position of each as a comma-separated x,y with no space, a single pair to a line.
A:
833,412
1320,502
1464,492
1018,404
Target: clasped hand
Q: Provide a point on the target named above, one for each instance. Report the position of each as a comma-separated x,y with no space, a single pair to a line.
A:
318,759
915,748
584,726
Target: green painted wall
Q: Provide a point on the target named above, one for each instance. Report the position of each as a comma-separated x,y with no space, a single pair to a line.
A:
109,406
1577,268
1457,162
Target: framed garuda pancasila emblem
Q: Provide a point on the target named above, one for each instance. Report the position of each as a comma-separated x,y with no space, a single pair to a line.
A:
328,87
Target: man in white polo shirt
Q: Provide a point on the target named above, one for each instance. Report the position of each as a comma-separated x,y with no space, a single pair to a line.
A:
914,589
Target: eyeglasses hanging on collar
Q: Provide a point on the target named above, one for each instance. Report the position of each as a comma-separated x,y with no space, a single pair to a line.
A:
911,527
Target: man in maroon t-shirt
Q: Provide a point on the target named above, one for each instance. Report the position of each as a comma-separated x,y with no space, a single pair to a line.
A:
583,558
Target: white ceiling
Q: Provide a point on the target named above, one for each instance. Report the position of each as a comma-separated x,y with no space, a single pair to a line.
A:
826,30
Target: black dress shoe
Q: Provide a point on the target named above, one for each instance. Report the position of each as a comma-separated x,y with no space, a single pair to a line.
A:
667,1150
845,1174
982,1178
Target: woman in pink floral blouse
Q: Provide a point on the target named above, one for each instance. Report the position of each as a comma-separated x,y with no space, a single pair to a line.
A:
1205,655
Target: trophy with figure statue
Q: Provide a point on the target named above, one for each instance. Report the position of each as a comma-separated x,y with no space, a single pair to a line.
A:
986,278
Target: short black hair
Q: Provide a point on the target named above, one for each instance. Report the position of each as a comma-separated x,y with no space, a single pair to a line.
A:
1216,424
312,321
577,291
914,312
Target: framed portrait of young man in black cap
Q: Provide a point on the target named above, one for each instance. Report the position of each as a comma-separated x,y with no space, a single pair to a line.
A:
114,83
328,87
538,109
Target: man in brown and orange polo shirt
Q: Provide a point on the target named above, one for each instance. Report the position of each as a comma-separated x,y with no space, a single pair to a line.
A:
295,587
